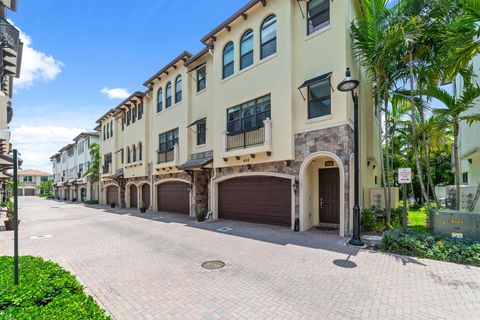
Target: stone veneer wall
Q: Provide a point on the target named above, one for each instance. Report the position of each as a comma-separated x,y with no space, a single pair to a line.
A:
337,140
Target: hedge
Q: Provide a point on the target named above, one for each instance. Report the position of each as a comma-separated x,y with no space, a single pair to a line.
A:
46,291
425,245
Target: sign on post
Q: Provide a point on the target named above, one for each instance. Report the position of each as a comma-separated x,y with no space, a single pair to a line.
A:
404,177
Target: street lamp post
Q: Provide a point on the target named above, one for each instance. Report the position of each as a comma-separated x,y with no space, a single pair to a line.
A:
350,84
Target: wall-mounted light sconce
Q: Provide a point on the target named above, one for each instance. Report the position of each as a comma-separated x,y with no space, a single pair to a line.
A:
189,188
470,161
295,186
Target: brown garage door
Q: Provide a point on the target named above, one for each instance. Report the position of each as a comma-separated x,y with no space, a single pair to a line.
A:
112,195
173,197
146,195
256,199
29,192
133,197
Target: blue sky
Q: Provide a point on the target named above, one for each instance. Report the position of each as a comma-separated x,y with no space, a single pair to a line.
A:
77,51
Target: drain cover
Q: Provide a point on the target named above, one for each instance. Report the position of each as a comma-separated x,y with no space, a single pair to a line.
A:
224,229
213,265
41,237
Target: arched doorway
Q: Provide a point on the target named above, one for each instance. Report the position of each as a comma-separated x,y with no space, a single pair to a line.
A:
146,195
112,195
83,194
133,196
173,196
322,193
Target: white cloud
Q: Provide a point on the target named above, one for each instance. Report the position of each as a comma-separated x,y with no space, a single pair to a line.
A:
36,65
37,144
115,93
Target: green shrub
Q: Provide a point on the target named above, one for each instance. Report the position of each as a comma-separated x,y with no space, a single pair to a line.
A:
90,202
46,291
425,245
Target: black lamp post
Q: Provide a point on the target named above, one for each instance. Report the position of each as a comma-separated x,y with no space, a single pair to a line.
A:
350,84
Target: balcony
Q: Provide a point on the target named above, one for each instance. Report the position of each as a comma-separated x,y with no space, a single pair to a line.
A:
259,138
106,169
12,48
169,157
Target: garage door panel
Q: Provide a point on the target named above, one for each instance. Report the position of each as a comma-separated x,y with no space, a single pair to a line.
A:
256,199
173,197
112,195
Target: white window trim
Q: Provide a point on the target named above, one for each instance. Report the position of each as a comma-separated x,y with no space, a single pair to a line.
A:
254,65
318,32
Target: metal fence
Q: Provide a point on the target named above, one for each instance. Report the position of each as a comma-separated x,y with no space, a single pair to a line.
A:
246,139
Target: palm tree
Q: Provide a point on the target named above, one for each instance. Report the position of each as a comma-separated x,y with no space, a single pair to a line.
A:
93,169
451,116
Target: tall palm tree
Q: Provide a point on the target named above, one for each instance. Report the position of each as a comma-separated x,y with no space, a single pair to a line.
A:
451,116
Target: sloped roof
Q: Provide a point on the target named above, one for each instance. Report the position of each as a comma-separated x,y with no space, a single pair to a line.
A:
33,172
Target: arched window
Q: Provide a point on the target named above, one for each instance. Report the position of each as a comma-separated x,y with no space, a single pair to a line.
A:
134,153
168,95
139,151
246,49
159,100
178,89
128,155
268,41
228,57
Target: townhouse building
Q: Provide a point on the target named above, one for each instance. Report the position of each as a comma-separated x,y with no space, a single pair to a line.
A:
30,181
250,128
70,164
469,147
10,58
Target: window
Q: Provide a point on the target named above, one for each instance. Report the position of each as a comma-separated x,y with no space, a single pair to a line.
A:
465,177
139,151
111,128
27,179
129,117
319,102
159,100
201,79
134,114
123,123
318,15
81,147
122,156
178,89
134,153
43,178
228,57
104,133
248,116
108,130
128,155
201,132
168,140
140,110
246,50
168,95
80,170
107,159
268,44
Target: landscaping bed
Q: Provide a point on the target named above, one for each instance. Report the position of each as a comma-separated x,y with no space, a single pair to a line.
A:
411,242
46,291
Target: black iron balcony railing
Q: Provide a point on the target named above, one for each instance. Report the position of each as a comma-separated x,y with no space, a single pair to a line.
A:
165,156
9,35
245,139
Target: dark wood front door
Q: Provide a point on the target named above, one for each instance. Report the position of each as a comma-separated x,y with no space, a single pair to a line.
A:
146,195
173,197
133,197
259,199
329,195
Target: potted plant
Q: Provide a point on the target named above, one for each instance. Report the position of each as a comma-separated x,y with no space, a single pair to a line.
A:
201,213
9,222
143,208
112,205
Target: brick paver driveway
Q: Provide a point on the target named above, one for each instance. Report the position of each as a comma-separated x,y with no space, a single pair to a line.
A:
149,267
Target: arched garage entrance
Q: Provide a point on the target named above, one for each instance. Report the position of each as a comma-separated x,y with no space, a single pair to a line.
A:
260,199
173,196
112,195
146,195
133,196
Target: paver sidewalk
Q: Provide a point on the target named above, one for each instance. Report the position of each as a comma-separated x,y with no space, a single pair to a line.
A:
149,267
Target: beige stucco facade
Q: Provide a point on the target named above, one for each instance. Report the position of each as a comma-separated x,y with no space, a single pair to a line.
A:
288,145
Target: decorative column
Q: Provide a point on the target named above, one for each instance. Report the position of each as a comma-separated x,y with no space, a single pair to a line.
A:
176,156
268,132
224,141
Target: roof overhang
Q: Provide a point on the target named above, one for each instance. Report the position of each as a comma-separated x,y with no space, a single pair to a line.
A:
471,153
196,164
197,56
184,56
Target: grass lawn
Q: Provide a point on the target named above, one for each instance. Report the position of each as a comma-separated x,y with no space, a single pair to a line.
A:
417,219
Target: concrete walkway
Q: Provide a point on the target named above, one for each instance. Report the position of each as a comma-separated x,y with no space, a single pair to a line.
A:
149,267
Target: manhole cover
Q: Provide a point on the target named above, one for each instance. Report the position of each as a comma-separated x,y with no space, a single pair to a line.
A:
41,237
55,207
213,265
224,229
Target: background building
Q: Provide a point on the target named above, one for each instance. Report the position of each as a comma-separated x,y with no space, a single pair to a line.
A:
30,180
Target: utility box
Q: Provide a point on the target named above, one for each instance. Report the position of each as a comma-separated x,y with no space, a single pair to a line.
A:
377,198
456,224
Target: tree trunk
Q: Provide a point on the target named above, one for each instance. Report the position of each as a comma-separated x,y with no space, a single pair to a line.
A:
414,132
457,166
380,140
387,161
475,200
